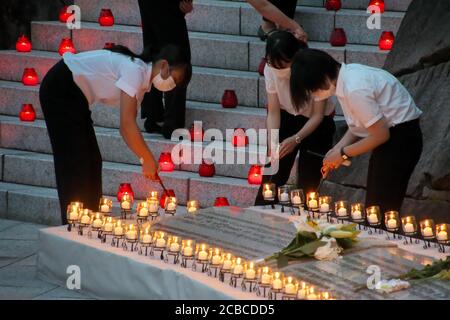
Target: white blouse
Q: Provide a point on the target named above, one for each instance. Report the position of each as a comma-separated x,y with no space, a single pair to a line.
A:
102,75
367,94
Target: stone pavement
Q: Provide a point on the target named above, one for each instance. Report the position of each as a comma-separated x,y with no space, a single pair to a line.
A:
18,265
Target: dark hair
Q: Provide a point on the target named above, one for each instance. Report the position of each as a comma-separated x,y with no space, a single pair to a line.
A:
281,47
175,56
310,71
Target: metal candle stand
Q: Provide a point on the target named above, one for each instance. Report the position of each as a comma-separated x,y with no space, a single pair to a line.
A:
142,246
360,222
395,234
273,293
288,205
442,244
94,229
427,242
141,219
170,212
376,228
174,254
289,296
124,213
159,250
340,219
116,240
234,279
105,235
71,224
186,259
81,226
253,284
154,216
265,287
223,273
203,263
215,268
411,235
133,243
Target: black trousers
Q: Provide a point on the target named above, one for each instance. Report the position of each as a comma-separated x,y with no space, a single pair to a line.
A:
309,165
77,158
391,166
286,6
163,23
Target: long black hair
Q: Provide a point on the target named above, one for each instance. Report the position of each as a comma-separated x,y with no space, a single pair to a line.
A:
174,55
310,71
281,47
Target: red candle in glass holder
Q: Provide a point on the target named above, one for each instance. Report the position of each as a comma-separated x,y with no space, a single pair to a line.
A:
124,188
66,45
229,99
23,44
333,5
109,45
27,113
196,135
64,15
169,193
262,65
240,138
255,174
221,202
386,41
106,18
338,37
30,77
377,3
206,169
165,162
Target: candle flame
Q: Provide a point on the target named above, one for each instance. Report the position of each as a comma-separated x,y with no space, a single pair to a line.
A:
289,279
251,265
238,261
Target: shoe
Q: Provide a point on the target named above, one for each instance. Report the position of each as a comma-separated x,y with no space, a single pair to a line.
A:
167,132
152,127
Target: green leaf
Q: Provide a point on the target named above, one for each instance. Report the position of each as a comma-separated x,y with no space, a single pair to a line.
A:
282,261
310,248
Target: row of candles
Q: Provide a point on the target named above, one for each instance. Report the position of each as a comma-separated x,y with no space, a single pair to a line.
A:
356,212
211,258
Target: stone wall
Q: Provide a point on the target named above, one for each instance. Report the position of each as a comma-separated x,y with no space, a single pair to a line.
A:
421,60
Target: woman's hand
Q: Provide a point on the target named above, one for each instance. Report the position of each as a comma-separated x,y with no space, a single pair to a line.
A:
150,169
298,31
287,146
333,159
186,6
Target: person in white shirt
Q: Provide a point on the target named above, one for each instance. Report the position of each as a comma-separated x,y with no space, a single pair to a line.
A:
381,115
301,130
116,77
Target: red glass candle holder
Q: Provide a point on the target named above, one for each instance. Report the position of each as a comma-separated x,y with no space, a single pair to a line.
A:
262,65
255,175
169,193
106,18
334,5
229,99
221,202
165,162
64,15
23,44
386,41
66,45
240,138
30,77
207,169
124,188
338,38
109,45
27,113
377,3
196,134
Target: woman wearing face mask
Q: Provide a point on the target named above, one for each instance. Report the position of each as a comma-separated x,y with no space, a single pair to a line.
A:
381,115
115,77
300,129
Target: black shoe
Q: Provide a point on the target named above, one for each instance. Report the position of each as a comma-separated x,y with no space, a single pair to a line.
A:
167,132
152,127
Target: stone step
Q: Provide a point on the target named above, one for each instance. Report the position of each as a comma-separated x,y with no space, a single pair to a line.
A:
36,169
33,136
14,94
207,84
390,5
208,50
228,17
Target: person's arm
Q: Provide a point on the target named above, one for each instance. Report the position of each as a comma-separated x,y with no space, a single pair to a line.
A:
133,137
273,118
272,13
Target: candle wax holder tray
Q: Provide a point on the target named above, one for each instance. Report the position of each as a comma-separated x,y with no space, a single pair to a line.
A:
157,250
174,254
223,273
273,293
116,240
145,246
215,268
252,284
186,259
203,263
234,279
94,229
289,296
265,289
124,213
105,235
133,244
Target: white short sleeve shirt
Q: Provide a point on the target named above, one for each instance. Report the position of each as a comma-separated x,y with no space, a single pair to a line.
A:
102,75
278,82
367,94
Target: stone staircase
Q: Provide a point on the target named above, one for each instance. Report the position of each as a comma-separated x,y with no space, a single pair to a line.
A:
226,55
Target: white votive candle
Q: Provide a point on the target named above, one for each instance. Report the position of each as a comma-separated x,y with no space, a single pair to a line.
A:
153,207
97,223
250,274
289,288
73,215
171,206
174,247
238,269
187,251
266,278
408,228
160,242
143,212
131,235
392,224
216,259
324,207
356,215
296,200
427,232
277,284
312,204
126,205
147,238
104,208
268,194
342,212
202,255
118,231
227,264
372,218
108,227
85,219
284,197
442,235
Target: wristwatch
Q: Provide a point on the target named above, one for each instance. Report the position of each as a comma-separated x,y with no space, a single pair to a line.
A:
297,139
347,159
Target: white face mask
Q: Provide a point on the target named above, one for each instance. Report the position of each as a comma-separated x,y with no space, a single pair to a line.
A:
164,85
281,73
320,95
